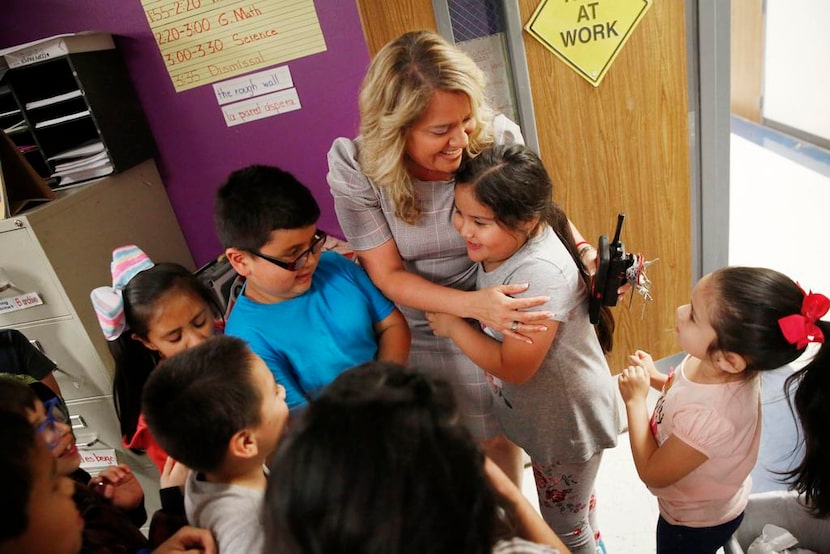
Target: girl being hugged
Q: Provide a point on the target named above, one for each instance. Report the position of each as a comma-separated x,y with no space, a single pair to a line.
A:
151,312
697,449
555,397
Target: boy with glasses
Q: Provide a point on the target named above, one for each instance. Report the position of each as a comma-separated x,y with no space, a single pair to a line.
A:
308,314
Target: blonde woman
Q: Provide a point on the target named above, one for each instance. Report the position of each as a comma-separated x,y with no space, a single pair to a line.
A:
423,110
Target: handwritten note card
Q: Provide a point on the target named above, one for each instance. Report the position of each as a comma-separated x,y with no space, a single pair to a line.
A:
263,106
204,41
252,85
98,459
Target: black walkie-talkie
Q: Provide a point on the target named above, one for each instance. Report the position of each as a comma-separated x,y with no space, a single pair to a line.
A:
612,263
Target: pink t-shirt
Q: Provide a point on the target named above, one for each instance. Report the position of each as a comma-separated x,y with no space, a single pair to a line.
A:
723,421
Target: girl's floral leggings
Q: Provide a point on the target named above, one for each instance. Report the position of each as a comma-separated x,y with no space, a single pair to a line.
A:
567,502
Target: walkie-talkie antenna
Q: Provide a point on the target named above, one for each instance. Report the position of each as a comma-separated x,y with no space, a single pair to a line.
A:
620,218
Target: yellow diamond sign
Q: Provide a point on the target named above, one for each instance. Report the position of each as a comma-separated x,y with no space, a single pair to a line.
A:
586,34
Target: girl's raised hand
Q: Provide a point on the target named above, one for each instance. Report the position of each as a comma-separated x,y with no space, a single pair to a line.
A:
634,383
643,359
494,307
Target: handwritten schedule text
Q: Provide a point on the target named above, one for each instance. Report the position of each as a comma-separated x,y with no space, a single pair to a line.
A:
204,41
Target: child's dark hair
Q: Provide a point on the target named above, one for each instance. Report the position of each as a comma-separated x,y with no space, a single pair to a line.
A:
18,438
257,200
133,360
195,401
380,462
15,395
512,181
748,304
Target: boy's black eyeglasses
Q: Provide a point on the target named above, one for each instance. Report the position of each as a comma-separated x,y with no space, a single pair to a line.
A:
299,262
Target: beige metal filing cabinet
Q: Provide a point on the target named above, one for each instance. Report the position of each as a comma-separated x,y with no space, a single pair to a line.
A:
62,250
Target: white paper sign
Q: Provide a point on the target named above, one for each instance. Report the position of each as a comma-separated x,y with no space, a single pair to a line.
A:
20,302
255,84
264,106
98,459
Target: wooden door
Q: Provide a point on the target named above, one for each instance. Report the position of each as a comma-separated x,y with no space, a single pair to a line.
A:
621,147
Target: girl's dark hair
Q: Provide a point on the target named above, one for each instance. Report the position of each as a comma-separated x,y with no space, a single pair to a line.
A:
133,360
18,438
512,181
748,302
380,463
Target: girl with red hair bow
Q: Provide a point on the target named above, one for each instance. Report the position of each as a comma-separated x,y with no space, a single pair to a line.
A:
698,447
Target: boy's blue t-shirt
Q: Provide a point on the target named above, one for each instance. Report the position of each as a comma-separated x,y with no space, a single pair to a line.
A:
309,340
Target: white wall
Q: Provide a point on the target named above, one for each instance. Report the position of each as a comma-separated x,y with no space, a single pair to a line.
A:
779,215
797,65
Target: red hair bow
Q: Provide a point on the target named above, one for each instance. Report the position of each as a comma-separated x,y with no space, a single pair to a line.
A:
801,329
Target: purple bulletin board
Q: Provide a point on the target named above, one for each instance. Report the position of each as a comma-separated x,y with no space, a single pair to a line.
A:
196,148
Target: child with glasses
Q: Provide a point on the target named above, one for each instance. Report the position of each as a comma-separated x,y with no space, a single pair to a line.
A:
111,503
38,512
308,314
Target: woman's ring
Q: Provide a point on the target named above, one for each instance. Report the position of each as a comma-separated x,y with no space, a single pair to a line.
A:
514,326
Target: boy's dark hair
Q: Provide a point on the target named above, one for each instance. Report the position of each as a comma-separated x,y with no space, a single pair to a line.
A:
133,360
512,181
197,400
749,302
380,462
257,200
18,438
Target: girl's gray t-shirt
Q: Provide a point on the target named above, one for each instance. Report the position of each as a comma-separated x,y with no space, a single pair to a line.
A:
567,411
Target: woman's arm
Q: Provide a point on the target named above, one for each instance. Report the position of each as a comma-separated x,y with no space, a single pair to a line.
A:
492,306
512,361
657,466
393,338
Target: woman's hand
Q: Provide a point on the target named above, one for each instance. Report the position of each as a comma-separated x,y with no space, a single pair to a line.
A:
494,307
173,474
120,486
590,259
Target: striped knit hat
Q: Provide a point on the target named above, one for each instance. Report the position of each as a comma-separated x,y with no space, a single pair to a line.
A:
127,262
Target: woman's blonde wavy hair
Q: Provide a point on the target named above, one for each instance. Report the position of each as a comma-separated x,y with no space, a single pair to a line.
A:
397,91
